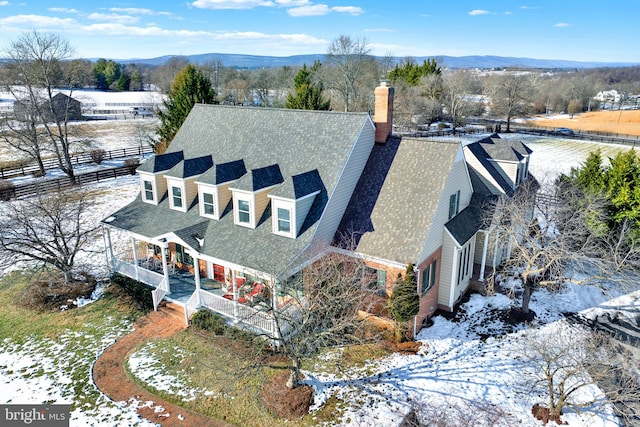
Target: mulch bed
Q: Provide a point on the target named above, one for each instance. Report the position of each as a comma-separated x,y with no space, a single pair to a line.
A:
283,401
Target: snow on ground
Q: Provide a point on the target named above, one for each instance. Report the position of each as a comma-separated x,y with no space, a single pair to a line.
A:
470,364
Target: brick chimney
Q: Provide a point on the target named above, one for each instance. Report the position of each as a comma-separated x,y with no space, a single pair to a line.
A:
383,113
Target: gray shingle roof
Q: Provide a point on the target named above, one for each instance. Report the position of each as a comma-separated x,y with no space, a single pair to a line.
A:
162,162
260,178
297,141
191,167
223,172
464,225
396,198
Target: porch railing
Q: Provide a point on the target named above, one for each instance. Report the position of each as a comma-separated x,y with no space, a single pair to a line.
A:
158,293
245,314
190,307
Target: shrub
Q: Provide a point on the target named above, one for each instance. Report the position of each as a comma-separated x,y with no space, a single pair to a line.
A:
139,293
133,164
51,292
208,321
97,155
7,190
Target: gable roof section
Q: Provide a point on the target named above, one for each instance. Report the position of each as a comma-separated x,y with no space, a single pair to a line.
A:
223,172
464,225
260,178
297,141
395,201
191,167
299,186
162,162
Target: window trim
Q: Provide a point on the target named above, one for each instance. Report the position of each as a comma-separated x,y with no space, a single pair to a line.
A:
148,191
204,204
288,221
429,275
454,204
179,197
246,211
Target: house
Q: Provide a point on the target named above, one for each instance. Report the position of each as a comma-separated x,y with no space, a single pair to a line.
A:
246,196
64,108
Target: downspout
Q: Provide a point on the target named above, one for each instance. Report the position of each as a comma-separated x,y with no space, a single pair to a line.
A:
165,267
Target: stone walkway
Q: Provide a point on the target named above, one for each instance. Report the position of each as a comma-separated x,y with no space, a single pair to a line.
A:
113,380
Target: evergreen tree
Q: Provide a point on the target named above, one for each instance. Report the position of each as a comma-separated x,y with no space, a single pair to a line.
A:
308,95
411,73
404,302
188,88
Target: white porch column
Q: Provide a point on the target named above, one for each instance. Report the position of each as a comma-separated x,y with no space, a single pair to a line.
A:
165,268
483,264
235,294
109,251
454,274
196,271
135,258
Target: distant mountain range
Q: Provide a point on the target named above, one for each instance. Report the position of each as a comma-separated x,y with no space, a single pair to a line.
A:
475,61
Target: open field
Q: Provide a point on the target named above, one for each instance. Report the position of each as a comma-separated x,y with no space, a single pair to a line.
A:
624,122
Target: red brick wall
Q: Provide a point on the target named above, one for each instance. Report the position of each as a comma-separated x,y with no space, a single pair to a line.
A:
429,301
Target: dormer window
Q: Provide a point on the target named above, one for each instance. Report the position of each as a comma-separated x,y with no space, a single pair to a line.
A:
208,205
148,191
176,198
284,221
244,212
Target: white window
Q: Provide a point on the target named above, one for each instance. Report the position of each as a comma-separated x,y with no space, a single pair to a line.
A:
284,220
244,213
148,190
176,197
454,204
208,207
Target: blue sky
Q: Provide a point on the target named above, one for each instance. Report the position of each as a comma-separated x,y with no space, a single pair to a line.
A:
586,30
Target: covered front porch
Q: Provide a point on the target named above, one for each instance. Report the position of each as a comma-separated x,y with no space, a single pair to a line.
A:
171,273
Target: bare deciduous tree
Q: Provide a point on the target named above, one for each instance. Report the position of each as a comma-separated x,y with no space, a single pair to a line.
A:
33,71
347,60
50,230
322,312
511,96
567,360
552,245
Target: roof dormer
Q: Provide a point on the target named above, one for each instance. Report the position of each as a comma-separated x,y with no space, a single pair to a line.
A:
214,191
152,186
292,201
181,181
250,194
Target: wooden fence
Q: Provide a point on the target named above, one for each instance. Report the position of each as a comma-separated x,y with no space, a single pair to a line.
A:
9,192
83,158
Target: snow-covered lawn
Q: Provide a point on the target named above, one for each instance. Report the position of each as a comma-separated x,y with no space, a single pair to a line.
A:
470,364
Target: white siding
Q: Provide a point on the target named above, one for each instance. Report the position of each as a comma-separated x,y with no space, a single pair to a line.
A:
477,166
458,179
302,209
339,198
509,170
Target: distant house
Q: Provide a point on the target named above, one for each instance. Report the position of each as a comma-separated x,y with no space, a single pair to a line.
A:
247,194
63,107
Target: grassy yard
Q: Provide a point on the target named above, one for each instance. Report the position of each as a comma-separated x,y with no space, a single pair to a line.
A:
47,356
222,377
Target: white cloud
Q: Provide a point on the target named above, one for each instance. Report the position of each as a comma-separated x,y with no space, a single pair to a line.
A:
4,3
312,10
352,10
561,25
63,10
292,3
323,9
37,21
231,4
113,17
478,12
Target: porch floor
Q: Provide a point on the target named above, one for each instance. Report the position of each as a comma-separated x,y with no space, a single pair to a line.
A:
183,285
